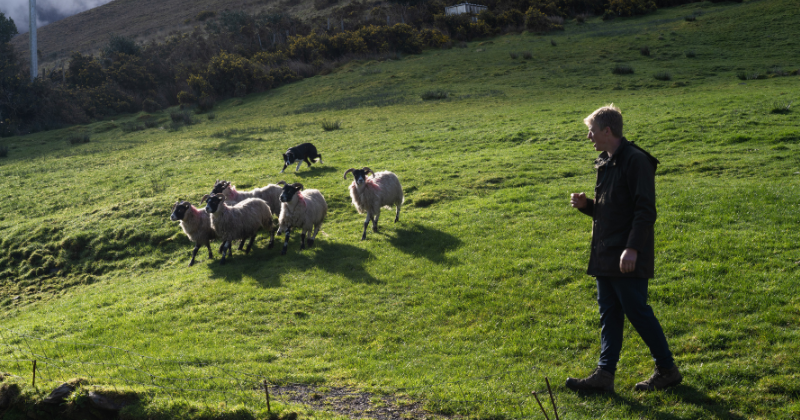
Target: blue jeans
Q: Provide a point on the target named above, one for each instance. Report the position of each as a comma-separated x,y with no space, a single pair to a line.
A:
619,297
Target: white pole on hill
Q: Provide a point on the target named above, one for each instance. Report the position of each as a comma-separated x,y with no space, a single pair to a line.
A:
34,57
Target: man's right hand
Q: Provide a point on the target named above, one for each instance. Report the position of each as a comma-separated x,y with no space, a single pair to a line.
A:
578,200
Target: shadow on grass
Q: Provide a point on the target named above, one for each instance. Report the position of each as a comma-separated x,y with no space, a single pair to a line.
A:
687,394
316,169
419,240
267,266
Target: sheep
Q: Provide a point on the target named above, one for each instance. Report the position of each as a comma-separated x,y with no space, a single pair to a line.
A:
240,221
271,194
196,225
369,195
302,209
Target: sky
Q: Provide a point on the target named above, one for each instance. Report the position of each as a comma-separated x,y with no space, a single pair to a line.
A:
48,11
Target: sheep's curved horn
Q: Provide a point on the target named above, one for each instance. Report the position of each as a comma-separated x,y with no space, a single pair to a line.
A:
348,171
281,182
368,171
202,200
298,185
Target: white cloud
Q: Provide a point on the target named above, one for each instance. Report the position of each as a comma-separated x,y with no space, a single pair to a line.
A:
48,11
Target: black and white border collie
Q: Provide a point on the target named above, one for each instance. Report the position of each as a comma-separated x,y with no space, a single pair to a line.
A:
300,153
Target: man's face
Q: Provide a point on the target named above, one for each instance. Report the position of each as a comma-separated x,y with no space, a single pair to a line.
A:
602,139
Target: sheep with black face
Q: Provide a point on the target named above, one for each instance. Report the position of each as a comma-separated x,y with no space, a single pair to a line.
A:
305,210
270,193
196,225
240,221
370,194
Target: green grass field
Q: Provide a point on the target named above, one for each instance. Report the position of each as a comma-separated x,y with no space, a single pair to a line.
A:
480,291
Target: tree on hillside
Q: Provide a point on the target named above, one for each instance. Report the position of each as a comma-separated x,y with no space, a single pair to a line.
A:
7,28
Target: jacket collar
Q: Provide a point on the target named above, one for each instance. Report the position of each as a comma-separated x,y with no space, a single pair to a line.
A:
604,159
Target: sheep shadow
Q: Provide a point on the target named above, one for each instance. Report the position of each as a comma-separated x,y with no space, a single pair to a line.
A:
419,240
686,393
316,169
268,267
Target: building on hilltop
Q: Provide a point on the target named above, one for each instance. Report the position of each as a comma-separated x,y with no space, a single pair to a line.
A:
465,8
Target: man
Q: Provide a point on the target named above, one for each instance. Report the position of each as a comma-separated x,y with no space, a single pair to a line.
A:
622,255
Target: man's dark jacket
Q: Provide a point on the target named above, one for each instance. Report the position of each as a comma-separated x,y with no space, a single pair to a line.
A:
623,211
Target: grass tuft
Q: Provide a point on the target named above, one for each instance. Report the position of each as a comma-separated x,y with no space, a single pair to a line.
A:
689,54
663,76
514,55
622,69
3,151
645,51
527,55
79,138
780,107
434,95
553,42
690,18
331,125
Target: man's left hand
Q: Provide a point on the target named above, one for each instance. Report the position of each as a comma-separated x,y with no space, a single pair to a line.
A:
627,262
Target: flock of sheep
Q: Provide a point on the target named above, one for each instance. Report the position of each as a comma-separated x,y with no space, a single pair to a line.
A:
232,215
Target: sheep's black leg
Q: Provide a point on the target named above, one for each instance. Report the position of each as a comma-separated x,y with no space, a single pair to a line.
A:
241,244
271,239
286,242
210,255
303,240
221,246
226,248
366,223
397,215
194,253
250,245
375,222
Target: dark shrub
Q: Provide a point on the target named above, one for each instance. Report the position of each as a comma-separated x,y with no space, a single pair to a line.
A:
663,76
150,105
645,50
3,151
122,45
527,55
79,138
434,94
622,69
689,53
206,14
690,18
514,55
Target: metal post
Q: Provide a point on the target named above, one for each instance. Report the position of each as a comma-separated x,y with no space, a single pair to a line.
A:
34,56
34,374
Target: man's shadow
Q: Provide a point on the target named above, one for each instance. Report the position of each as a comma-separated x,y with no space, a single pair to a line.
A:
687,394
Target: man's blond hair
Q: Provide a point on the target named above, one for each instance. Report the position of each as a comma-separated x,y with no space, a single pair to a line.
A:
606,116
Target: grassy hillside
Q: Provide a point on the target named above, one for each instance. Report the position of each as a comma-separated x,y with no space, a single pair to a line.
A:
479,293
143,20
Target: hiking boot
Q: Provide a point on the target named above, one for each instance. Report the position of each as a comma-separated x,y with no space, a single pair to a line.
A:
662,378
599,380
